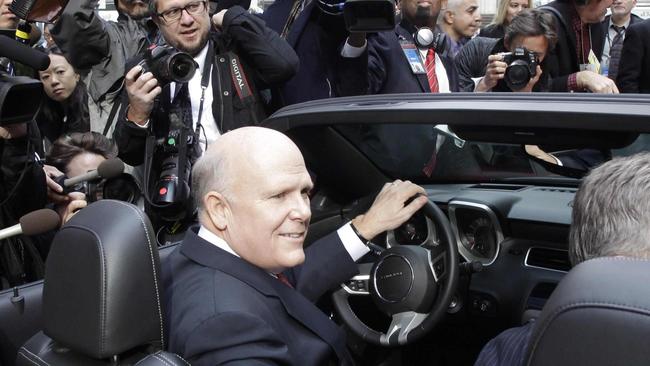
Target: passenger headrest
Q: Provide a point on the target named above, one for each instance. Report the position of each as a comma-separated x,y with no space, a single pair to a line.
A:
598,315
101,295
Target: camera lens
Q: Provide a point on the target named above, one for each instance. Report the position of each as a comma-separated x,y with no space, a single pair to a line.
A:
181,67
517,75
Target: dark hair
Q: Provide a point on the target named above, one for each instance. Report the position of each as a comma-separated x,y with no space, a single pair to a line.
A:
532,23
67,147
73,110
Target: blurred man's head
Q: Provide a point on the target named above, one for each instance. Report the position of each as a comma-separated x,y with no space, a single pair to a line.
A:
593,11
135,9
185,24
252,190
611,211
461,18
7,19
621,9
421,13
533,29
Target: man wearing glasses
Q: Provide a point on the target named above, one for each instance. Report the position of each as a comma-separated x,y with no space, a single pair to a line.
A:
236,59
481,65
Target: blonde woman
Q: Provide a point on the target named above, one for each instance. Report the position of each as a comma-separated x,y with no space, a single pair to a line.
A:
507,10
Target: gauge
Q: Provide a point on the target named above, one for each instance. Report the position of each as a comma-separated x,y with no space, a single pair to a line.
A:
418,230
477,230
480,238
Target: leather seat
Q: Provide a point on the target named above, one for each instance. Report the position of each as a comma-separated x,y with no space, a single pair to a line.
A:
101,294
598,315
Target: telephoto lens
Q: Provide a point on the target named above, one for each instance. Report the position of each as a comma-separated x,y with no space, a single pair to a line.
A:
168,65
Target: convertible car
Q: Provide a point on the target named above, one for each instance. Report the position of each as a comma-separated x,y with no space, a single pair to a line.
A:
485,254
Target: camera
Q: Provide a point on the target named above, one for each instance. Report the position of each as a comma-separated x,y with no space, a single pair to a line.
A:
168,64
122,188
172,190
522,66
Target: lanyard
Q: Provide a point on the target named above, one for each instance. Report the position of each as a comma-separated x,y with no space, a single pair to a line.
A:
205,80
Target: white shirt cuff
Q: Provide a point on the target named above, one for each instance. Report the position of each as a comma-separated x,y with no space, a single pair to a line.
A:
350,51
145,125
476,81
353,245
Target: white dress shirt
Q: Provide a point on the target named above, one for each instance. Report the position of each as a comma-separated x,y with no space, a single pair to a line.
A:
353,245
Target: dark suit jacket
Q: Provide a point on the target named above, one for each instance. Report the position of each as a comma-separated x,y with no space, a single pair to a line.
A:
634,69
315,37
221,309
563,60
384,69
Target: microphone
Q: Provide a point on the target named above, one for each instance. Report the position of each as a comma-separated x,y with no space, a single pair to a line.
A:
33,223
23,54
110,168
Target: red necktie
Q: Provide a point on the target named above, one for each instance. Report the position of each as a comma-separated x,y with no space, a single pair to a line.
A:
283,278
430,65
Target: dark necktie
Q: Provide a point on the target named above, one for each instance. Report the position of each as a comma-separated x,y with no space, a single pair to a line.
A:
180,112
284,279
615,51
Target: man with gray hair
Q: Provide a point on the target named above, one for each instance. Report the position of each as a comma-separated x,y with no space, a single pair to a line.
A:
240,288
610,218
481,65
460,20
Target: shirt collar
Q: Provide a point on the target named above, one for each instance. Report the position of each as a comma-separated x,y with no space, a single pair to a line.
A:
627,24
200,57
212,238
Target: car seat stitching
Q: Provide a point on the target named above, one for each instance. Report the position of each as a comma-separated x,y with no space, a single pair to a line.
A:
33,354
171,361
155,275
24,356
157,356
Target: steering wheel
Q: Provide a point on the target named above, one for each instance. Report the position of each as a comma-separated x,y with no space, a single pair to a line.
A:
412,284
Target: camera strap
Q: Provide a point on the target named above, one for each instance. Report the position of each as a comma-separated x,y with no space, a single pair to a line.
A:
242,86
205,81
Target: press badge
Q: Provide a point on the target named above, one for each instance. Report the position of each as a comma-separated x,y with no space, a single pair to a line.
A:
413,57
593,65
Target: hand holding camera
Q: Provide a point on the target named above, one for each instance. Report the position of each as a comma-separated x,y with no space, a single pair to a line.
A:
494,72
142,89
519,69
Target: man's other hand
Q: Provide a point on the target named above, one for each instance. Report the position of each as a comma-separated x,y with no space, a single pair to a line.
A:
142,89
217,19
77,202
494,72
388,210
596,83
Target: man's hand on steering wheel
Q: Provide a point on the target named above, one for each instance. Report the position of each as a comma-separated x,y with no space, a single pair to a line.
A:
388,210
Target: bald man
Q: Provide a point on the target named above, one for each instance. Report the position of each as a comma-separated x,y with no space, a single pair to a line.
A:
240,288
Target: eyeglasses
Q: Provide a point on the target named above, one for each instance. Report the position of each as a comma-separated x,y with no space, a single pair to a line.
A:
174,14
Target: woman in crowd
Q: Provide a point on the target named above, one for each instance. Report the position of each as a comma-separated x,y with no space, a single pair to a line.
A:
65,109
507,10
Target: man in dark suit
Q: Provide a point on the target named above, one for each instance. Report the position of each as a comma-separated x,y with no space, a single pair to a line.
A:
616,26
634,70
240,289
581,36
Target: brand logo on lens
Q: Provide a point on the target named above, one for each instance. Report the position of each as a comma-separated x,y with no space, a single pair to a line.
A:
391,275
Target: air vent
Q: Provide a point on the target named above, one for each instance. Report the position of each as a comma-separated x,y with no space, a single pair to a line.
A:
498,187
546,258
557,190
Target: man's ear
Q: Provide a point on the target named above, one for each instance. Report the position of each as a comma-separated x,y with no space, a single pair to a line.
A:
448,17
217,209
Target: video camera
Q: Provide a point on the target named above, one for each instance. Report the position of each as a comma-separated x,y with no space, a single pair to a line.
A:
121,188
167,64
362,15
522,66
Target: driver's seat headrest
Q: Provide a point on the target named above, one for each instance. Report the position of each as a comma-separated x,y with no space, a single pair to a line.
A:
101,295
598,315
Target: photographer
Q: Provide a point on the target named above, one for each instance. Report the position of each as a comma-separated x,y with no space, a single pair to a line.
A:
74,155
102,48
481,65
210,103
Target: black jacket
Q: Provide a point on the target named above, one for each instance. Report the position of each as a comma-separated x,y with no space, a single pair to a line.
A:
634,69
493,31
563,60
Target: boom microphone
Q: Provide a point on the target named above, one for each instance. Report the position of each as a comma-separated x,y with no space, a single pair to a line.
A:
110,168
23,54
34,223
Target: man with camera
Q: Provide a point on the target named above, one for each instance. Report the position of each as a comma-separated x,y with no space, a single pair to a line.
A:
512,63
167,124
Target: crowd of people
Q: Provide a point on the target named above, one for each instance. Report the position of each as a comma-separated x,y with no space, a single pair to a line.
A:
102,102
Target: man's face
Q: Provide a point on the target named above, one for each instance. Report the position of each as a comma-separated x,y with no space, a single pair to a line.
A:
537,44
421,13
467,18
622,7
269,211
189,33
514,8
135,9
594,11
7,19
